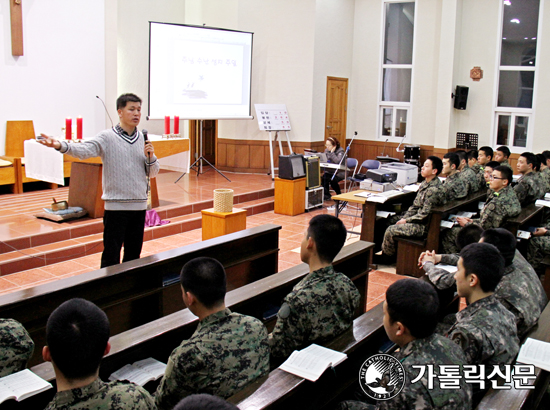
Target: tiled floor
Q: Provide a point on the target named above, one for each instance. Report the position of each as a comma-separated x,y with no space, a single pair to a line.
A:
16,220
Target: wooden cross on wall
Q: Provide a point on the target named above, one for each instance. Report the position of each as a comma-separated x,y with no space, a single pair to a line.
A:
16,15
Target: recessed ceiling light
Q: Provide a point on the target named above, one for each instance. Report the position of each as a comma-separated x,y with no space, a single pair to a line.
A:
504,38
526,38
533,38
530,62
507,2
514,21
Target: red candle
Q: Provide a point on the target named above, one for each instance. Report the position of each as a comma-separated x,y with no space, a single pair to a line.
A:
68,128
79,128
167,125
176,125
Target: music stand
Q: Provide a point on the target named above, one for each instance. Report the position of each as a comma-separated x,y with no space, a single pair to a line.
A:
199,161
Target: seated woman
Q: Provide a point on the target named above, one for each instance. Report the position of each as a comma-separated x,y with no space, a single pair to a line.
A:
334,154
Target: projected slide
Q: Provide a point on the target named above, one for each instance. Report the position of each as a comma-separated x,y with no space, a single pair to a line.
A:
199,73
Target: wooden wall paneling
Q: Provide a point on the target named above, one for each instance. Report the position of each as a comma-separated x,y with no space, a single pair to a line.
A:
242,156
230,155
257,157
221,154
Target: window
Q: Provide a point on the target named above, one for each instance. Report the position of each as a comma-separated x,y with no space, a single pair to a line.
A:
514,106
396,72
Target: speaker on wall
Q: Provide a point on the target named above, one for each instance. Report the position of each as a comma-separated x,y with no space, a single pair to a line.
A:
292,166
461,97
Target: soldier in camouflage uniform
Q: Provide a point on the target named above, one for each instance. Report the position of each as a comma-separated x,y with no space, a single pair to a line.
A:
501,156
501,205
515,291
226,352
455,187
413,223
528,188
485,330
322,305
410,317
545,169
476,167
467,174
77,334
539,248
16,347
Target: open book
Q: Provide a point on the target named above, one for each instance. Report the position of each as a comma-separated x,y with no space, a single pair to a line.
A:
535,352
21,385
311,362
141,372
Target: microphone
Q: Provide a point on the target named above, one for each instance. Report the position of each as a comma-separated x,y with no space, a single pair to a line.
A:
403,139
97,96
384,149
145,132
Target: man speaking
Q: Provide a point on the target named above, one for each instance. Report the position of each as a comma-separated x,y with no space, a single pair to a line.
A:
127,161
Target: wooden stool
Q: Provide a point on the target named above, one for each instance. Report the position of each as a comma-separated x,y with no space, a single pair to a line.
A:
216,224
290,196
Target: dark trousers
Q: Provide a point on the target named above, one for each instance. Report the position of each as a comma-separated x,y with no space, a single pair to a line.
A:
326,180
122,227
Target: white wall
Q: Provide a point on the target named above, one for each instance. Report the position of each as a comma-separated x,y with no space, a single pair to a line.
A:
62,69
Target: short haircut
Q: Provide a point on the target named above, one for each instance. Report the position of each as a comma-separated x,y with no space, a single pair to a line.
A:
414,303
461,155
546,154
504,241
453,158
472,154
471,233
77,333
204,402
530,158
205,279
505,150
436,163
505,172
541,160
475,259
492,164
125,99
488,151
329,235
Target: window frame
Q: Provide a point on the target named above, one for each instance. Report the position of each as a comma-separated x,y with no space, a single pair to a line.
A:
394,105
515,111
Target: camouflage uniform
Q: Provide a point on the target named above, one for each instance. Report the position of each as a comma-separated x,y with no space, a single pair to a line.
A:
16,347
528,189
480,173
486,331
543,182
320,307
103,396
226,352
545,175
439,277
539,248
471,179
498,207
517,294
525,268
429,195
506,164
435,350
455,187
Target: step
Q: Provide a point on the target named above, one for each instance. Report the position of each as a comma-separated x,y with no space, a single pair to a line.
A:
85,227
60,251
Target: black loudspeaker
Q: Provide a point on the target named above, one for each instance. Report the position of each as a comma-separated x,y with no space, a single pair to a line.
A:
461,97
313,172
292,166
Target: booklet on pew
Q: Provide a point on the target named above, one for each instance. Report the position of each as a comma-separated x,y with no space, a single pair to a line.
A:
22,385
535,352
141,372
310,363
411,188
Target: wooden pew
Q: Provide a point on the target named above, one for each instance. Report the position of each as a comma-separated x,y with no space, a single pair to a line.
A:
158,338
282,390
409,249
530,214
140,291
523,398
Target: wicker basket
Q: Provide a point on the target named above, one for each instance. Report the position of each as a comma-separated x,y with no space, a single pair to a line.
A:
223,200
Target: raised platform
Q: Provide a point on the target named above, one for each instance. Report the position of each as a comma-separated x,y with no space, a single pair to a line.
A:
28,242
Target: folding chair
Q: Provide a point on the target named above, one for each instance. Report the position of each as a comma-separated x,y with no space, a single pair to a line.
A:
367,164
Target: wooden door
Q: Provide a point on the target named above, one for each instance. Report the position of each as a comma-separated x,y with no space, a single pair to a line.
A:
336,109
208,140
